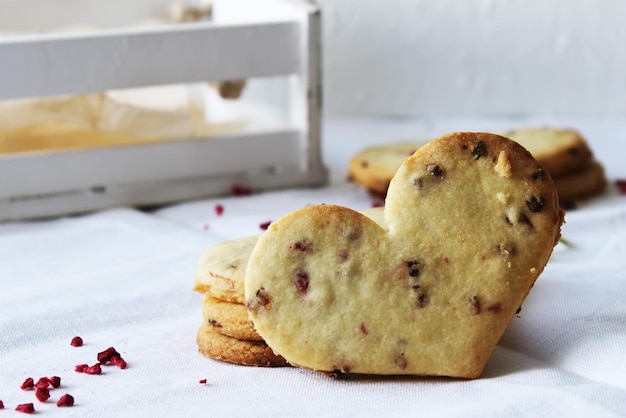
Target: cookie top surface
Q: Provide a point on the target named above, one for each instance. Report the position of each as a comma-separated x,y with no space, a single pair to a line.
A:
472,219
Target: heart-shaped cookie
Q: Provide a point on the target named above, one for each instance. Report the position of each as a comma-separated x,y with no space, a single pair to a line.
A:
472,220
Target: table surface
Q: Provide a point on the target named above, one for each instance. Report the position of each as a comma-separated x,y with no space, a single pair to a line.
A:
123,278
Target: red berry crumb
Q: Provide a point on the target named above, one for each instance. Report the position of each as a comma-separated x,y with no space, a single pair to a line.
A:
42,394
80,368
265,225
105,356
219,209
239,190
202,382
95,369
29,383
66,400
55,381
621,186
27,408
1,405
119,362
42,383
77,341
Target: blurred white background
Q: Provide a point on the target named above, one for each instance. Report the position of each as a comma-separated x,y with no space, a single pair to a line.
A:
475,58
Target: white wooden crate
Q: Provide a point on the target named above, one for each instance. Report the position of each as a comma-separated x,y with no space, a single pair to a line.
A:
246,39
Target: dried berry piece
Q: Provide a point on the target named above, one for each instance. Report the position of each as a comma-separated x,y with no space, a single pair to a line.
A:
76,342
265,225
42,383
523,218
202,382
535,204
301,280
475,302
95,369
436,171
55,381
421,296
478,150
105,356
621,186
1,405
80,368
302,245
26,408
495,308
65,400
42,394
400,361
364,329
119,362
264,298
414,268
214,323
341,369
219,210
28,383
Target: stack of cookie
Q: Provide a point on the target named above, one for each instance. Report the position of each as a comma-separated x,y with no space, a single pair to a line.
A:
328,289
568,158
563,152
226,333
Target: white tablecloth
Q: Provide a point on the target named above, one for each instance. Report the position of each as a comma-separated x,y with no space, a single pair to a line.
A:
123,278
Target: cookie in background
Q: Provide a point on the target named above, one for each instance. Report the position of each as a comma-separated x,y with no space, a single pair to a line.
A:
563,152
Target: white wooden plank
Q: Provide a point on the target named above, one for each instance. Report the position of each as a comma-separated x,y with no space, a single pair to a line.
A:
71,64
41,173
